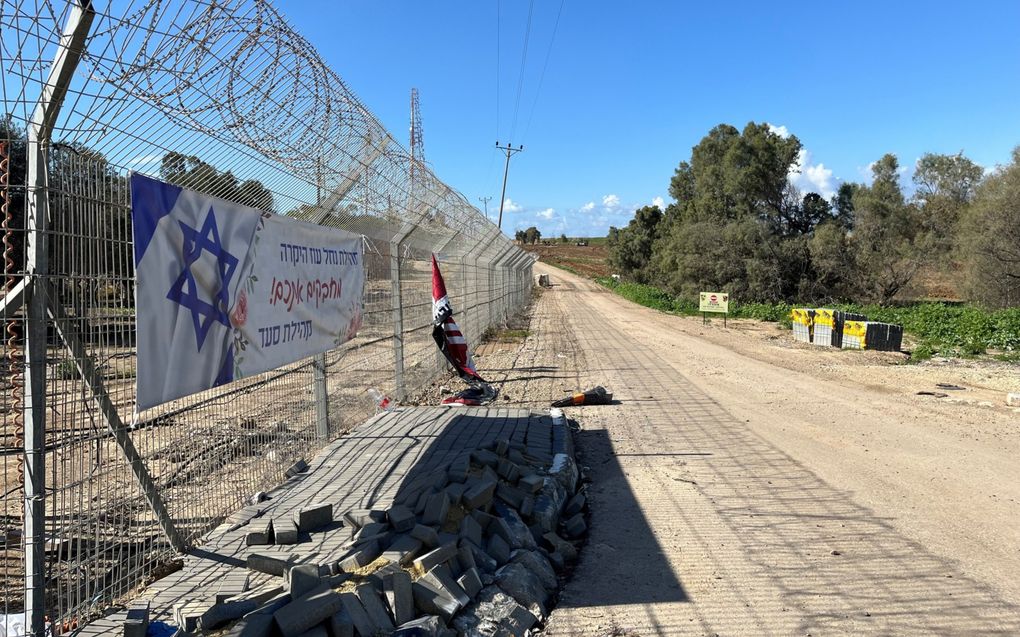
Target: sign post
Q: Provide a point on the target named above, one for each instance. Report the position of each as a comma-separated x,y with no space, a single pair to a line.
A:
716,302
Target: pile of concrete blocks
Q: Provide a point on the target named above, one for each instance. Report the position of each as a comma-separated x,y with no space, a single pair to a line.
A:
476,548
827,326
883,337
802,321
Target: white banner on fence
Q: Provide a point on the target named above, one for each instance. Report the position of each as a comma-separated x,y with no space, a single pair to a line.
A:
225,291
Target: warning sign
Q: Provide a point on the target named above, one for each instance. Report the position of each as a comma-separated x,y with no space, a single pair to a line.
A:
714,302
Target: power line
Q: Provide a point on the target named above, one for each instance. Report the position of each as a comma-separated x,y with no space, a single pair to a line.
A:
524,59
545,65
485,201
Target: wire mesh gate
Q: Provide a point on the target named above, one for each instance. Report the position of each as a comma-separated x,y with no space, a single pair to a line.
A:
227,99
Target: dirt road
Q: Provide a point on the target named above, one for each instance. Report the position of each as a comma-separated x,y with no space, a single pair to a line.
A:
738,490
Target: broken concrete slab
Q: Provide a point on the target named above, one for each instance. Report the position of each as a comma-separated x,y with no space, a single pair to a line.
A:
509,521
524,586
428,626
400,599
564,471
493,613
537,563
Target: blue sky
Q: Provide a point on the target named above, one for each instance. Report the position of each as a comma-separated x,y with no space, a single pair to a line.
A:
630,87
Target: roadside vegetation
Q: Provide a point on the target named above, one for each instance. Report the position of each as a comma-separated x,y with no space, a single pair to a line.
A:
737,224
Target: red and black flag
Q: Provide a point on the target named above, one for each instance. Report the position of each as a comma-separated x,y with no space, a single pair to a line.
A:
447,333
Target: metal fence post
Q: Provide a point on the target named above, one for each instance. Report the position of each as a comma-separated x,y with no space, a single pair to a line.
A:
400,389
40,131
321,396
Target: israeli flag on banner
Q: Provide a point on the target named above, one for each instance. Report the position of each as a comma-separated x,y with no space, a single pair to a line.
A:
225,291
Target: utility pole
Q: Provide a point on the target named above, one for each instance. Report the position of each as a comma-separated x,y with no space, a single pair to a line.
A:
510,150
485,201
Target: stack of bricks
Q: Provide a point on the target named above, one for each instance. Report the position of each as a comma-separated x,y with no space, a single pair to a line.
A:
883,337
803,321
828,326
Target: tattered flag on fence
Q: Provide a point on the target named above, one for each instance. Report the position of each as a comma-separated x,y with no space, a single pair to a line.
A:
225,291
447,333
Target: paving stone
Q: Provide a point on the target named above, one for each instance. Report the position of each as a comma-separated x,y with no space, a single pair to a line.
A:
359,617
479,494
340,625
426,534
401,518
465,558
442,576
314,516
428,626
556,543
524,586
459,469
508,470
471,530
493,613
423,501
575,504
527,506
358,518
269,564
498,549
301,579
471,582
484,457
518,458
488,473
187,613
234,583
501,446
403,549
532,483
260,532
430,598
137,620
557,561
306,611
298,467
284,531
537,563
483,519
519,536
254,625
511,495
435,557
397,589
315,631
455,491
363,556
483,560
374,607
273,604
259,594
371,530
575,526
219,614
436,510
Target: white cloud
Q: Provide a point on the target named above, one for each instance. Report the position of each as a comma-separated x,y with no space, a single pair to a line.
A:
610,201
588,207
660,202
510,206
546,214
809,177
779,130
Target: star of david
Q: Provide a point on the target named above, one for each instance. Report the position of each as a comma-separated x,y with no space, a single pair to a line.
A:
185,290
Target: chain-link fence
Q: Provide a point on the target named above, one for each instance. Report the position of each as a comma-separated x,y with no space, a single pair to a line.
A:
227,99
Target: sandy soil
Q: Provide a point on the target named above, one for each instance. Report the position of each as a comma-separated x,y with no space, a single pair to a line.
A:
746,484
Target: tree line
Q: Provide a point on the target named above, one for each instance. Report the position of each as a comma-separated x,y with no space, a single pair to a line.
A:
737,223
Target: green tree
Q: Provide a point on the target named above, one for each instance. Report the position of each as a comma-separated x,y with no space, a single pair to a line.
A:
630,249
990,239
889,246
563,238
532,235
945,186
843,204
191,172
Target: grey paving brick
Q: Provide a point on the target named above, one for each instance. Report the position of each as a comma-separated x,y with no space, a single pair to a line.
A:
137,620
498,549
531,483
340,625
359,617
308,610
373,604
471,582
435,557
301,578
400,518
397,589
260,532
427,534
255,625
269,563
363,556
403,549
314,516
471,530
479,494
436,510
284,531
575,526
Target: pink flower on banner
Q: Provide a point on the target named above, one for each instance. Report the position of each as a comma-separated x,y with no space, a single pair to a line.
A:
240,314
